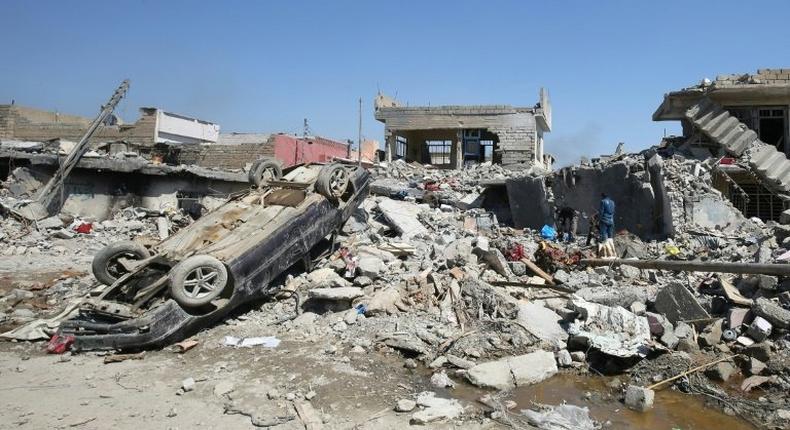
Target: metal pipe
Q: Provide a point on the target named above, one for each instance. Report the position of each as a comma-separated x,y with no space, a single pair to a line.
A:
696,266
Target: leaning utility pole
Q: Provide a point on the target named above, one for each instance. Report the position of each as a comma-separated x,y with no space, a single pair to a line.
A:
41,206
359,135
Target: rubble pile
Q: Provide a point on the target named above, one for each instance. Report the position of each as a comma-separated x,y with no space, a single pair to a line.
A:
449,289
33,247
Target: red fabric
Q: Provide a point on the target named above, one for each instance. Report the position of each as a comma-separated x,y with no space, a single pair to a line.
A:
84,228
60,344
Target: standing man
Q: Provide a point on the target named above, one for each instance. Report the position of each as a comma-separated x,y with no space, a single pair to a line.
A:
567,220
592,231
606,226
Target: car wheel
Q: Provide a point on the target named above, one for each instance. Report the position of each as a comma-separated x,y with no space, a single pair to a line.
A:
265,170
197,280
333,181
106,264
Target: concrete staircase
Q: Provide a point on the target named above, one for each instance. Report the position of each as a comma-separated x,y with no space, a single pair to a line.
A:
769,165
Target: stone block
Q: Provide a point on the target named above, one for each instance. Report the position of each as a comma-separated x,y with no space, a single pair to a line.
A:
639,398
721,371
759,329
711,335
772,312
678,304
737,317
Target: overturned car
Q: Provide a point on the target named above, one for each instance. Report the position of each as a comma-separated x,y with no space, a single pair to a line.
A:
157,296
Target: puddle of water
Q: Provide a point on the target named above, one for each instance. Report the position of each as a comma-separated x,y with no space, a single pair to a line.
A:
671,410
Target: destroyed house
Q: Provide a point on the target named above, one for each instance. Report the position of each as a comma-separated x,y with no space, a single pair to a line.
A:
155,126
743,121
453,136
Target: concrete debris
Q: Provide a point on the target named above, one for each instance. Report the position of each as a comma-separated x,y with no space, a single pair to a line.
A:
437,269
436,409
678,304
561,417
639,398
542,323
612,330
405,405
513,372
339,294
772,312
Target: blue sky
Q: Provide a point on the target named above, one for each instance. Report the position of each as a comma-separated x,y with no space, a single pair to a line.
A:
264,66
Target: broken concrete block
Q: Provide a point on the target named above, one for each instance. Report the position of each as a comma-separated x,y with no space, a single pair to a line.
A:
510,372
383,302
496,260
684,331
755,366
760,351
678,304
188,384
518,268
638,308
744,340
532,368
669,339
766,282
494,374
564,358
759,329
711,335
542,322
688,345
630,272
403,216
405,405
436,409
438,362
326,278
50,223
578,356
459,253
639,398
441,380
655,323
459,362
737,317
721,371
370,266
612,330
341,293
775,314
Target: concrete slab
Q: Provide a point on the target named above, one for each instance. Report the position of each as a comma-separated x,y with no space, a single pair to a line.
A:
543,323
678,304
403,217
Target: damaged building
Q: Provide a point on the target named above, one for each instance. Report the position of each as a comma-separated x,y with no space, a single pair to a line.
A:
455,136
162,161
741,121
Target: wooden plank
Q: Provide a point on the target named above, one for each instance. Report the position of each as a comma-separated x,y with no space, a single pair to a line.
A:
696,266
538,271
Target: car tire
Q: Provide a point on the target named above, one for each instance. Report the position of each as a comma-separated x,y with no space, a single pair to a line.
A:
197,280
264,170
333,181
106,268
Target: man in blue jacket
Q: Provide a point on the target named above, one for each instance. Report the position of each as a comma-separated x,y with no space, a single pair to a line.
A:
606,226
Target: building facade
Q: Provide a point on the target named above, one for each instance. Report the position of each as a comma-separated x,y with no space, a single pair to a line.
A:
454,136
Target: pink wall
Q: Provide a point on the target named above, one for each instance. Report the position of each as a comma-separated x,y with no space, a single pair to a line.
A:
292,150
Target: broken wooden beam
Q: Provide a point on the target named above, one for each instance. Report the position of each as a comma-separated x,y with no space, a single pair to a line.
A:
538,271
530,285
696,266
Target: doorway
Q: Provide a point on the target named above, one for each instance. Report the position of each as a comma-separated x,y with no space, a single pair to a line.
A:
772,127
